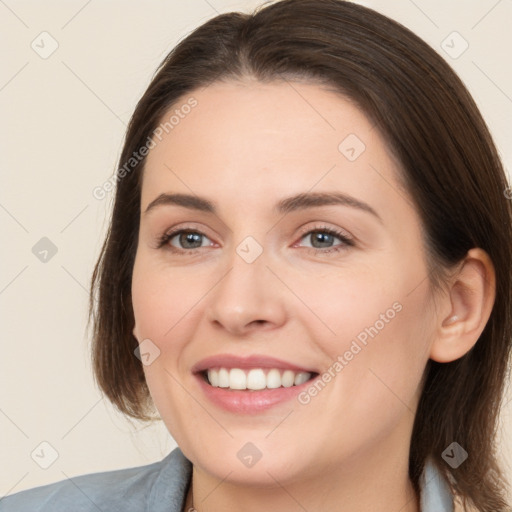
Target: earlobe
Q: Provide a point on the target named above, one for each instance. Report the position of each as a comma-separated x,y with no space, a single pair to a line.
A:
469,304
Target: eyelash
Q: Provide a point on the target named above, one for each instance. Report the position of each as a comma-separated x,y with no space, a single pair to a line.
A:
347,242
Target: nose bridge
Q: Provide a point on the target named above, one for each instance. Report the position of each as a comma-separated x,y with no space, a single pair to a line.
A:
247,294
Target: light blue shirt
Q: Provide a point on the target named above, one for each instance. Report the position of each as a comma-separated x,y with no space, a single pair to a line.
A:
159,487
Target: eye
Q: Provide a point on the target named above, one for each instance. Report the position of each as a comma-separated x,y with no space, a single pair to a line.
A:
185,238
323,238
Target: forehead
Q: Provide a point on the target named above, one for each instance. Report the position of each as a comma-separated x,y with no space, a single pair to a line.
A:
260,140
245,117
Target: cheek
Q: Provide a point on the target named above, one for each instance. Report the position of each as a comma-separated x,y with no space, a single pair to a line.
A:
384,365
163,303
344,304
377,328
168,306
163,300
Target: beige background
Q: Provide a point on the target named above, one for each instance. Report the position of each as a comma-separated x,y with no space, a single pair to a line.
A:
62,123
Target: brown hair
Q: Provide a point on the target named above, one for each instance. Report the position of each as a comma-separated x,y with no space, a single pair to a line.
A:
451,169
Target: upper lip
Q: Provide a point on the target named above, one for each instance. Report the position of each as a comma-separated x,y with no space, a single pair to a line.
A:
246,362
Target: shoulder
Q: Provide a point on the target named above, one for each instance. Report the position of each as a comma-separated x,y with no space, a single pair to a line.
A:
126,490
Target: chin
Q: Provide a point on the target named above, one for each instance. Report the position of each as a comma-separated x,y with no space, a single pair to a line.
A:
240,461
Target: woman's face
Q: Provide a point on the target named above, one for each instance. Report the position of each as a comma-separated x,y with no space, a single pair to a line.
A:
331,285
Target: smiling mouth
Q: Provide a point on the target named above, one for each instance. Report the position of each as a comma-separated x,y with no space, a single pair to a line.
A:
255,379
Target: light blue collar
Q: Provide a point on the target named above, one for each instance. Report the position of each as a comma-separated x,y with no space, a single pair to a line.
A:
435,492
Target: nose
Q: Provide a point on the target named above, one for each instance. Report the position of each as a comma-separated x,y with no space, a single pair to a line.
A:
248,297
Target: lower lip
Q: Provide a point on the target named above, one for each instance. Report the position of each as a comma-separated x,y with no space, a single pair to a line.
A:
250,402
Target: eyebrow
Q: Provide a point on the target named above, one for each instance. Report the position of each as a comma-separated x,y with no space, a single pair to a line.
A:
284,206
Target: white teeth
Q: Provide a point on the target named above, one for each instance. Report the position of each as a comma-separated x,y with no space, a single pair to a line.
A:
223,378
213,376
273,379
300,378
287,379
255,379
237,379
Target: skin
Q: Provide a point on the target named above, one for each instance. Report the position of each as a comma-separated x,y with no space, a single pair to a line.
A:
245,146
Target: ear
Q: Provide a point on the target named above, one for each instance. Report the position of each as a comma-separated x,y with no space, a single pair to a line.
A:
135,333
466,308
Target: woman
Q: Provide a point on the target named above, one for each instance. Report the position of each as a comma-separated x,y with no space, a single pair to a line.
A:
307,274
